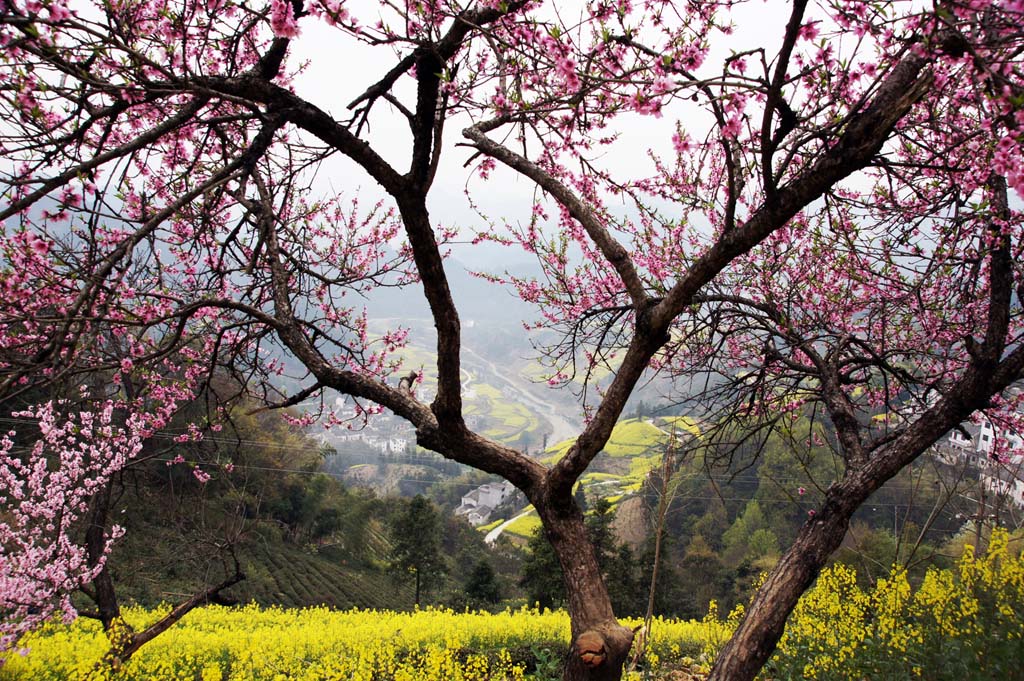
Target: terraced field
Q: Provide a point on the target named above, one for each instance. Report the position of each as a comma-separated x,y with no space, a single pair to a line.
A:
635,448
151,566
296,578
630,439
504,420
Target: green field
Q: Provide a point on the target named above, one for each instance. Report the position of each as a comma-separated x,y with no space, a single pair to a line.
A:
633,450
504,420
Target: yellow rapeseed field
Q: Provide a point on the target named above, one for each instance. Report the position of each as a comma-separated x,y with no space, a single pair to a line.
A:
317,644
960,623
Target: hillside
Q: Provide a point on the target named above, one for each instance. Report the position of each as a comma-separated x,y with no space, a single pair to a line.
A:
290,577
635,447
163,559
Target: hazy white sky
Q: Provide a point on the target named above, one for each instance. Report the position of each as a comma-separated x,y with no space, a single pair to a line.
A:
339,69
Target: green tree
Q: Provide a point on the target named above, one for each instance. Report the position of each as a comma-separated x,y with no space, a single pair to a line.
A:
624,584
482,586
737,544
762,542
542,575
671,597
705,576
599,529
415,543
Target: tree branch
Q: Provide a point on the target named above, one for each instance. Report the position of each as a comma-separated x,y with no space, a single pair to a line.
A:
863,136
612,250
774,99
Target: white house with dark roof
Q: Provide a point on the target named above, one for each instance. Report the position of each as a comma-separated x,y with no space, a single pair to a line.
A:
478,504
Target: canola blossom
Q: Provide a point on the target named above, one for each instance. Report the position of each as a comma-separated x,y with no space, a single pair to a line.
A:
959,623
313,644
963,623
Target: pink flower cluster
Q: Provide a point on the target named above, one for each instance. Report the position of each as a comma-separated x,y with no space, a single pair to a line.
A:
282,19
44,493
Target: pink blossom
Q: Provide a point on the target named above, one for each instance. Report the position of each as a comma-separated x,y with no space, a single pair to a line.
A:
44,496
809,31
682,143
282,19
58,12
335,12
38,245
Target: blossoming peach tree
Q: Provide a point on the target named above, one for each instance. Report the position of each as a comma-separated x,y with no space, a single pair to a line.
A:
825,221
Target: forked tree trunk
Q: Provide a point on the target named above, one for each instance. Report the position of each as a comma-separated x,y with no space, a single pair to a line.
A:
600,645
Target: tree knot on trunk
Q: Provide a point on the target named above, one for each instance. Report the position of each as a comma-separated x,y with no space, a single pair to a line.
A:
591,649
598,653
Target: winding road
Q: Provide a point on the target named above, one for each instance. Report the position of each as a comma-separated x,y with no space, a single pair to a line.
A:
562,427
493,535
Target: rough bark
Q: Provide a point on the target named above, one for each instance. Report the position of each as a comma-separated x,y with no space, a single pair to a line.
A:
755,639
600,645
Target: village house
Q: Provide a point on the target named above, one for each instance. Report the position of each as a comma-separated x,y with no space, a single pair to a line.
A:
478,505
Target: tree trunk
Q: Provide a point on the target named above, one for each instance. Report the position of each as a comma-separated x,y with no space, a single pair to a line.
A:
757,635
124,640
102,593
136,640
600,645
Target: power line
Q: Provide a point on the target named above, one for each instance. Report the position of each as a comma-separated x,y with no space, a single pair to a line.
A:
413,459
